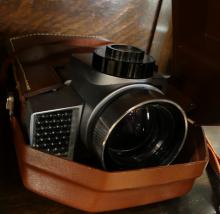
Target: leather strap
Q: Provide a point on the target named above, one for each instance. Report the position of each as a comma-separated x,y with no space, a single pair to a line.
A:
214,159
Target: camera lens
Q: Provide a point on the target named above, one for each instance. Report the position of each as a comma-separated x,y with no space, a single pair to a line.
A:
149,135
140,128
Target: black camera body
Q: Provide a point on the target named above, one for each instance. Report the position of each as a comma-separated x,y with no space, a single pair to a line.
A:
113,109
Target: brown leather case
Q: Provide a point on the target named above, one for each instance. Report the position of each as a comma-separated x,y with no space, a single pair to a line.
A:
94,190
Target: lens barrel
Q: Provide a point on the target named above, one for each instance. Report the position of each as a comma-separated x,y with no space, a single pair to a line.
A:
141,128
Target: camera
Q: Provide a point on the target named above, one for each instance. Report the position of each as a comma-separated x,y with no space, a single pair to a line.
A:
111,113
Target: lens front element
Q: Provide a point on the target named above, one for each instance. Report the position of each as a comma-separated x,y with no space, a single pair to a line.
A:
149,135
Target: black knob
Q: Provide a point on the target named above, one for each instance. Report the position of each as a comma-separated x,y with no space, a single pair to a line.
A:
125,53
123,61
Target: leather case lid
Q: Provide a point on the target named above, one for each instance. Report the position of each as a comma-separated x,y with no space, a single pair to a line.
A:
36,56
33,77
196,70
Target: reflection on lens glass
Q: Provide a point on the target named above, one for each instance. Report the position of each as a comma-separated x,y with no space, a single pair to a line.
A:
147,136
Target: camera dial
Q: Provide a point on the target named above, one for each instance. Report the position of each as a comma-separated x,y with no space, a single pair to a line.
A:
125,53
123,61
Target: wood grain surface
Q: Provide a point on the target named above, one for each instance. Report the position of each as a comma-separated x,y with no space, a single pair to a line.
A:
127,21
161,47
122,21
